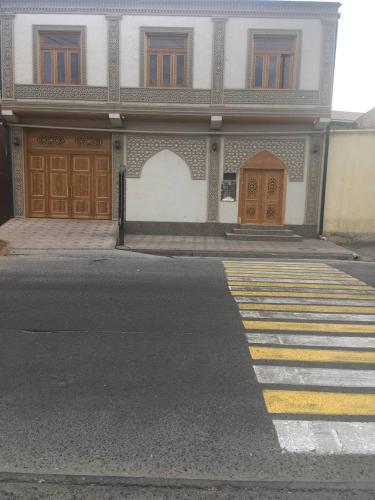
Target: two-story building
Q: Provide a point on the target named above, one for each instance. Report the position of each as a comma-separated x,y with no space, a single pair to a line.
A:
217,108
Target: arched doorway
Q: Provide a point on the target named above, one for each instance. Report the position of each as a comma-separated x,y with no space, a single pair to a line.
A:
262,190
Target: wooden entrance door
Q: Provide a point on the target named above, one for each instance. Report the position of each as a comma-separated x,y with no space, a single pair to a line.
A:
261,194
68,184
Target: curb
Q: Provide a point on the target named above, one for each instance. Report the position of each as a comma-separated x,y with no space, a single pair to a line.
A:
160,482
241,255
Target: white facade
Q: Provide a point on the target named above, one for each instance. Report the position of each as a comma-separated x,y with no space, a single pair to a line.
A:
215,106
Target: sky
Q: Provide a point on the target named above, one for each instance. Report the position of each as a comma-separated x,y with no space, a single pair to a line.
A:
354,86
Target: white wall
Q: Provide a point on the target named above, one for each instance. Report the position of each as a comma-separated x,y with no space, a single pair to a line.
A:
236,49
96,27
166,192
130,46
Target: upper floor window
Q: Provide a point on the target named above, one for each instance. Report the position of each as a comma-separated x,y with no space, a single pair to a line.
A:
274,61
166,60
60,57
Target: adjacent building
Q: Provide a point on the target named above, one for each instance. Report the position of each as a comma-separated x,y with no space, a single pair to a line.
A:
216,107
349,213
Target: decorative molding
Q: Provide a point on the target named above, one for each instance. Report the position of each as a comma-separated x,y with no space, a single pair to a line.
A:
313,181
113,58
167,96
7,56
37,28
117,160
280,97
206,8
291,151
213,180
327,61
250,37
193,150
145,30
58,92
218,60
18,171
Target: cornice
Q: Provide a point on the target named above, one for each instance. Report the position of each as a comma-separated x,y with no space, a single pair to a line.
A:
209,8
180,111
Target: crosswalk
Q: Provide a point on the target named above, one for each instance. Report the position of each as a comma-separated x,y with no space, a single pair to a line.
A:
311,335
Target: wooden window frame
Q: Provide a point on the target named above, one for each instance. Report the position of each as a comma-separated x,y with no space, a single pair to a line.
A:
295,54
146,51
38,60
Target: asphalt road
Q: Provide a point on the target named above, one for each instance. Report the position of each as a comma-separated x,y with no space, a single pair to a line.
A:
127,365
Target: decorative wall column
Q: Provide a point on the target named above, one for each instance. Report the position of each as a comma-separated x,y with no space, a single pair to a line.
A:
327,64
17,145
7,57
117,160
218,60
114,58
314,175
213,179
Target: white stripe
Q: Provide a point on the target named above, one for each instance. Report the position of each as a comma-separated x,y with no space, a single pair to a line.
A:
288,280
356,291
368,318
313,274
302,300
325,438
290,375
310,340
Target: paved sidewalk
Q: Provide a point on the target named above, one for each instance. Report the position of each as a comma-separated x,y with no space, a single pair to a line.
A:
58,234
217,246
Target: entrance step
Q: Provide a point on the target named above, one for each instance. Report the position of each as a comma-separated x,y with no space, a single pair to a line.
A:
253,232
275,232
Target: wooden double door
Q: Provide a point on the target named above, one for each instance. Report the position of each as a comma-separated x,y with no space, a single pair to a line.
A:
261,196
69,184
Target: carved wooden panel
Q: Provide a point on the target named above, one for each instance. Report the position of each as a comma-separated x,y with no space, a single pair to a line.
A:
81,187
261,198
37,185
272,197
45,139
58,187
103,187
67,177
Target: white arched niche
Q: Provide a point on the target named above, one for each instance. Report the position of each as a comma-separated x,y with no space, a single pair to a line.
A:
166,192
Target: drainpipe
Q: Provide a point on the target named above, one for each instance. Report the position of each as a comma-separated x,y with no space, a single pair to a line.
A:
324,180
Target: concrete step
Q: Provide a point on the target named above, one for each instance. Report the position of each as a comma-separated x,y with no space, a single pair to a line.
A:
255,231
267,227
263,237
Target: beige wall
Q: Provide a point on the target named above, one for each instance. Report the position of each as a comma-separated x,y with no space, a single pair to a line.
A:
350,201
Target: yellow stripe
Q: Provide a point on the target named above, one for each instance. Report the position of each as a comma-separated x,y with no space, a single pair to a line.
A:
293,276
319,403
276,266
299,285
317,355
309,327
312,295
308,307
